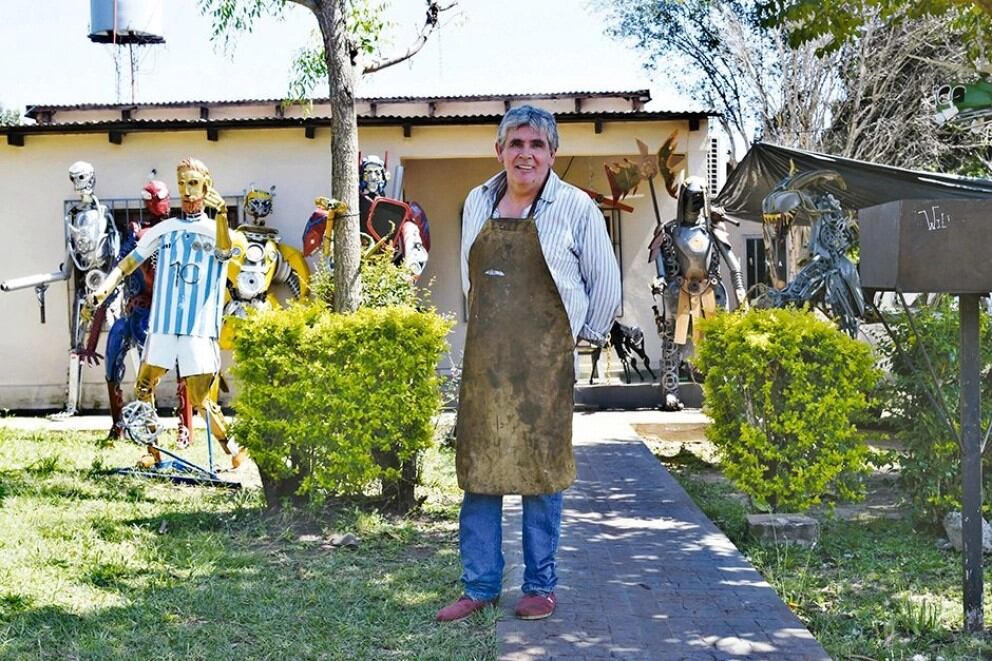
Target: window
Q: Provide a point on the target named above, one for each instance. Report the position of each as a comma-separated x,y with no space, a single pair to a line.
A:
612,218
756,266
128,210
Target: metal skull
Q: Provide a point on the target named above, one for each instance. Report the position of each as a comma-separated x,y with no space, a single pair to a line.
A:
83,177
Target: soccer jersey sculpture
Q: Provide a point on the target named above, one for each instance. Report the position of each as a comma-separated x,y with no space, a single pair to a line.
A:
187,299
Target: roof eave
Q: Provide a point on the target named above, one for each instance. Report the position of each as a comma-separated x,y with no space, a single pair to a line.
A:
144,126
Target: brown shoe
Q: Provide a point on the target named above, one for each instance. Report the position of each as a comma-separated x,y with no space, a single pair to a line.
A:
462,608
535,606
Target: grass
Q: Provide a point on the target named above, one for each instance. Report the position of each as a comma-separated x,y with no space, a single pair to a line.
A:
869,589
105,567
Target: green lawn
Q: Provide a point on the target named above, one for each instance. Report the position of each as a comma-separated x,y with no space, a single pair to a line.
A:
97,566
868,590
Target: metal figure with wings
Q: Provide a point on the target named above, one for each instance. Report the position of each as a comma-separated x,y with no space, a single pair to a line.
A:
829,278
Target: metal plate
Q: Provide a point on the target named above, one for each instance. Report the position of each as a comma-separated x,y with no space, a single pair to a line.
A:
936,246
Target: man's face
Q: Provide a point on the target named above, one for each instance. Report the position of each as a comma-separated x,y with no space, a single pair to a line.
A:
193,187
527,159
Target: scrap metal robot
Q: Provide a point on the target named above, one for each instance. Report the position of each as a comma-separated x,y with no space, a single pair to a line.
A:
829,278
92,243
687,253
261,260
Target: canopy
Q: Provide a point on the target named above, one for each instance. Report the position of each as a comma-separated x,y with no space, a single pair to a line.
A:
868,184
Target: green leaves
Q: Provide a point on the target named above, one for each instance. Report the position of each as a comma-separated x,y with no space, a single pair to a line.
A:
783,389
837,22
321,394
930,467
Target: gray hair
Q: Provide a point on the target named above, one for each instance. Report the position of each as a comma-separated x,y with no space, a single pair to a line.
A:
537,118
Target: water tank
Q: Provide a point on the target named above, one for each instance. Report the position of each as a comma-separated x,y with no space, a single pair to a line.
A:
133,21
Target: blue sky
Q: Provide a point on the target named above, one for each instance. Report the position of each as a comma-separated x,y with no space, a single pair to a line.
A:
491,46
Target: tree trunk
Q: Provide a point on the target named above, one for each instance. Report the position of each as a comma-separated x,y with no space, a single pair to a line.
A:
342,77
399,496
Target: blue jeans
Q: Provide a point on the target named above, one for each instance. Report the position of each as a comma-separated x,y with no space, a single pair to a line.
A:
480,534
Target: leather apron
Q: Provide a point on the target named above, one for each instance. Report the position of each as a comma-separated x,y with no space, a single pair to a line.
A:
514,430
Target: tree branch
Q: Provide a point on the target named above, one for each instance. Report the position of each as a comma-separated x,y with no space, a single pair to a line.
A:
430,24
309,4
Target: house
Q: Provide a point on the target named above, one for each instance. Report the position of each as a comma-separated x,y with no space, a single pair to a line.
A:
445,145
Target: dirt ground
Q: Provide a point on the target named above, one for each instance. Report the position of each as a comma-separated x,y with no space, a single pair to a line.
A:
687,444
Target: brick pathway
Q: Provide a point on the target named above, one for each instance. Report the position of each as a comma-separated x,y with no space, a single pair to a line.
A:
643,574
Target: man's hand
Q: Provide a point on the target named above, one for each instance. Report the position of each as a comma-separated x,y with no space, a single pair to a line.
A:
658,286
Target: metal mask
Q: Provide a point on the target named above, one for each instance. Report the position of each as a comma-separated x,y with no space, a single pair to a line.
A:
156,197
258,203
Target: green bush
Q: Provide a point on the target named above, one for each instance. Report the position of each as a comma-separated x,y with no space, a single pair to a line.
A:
930,468
323,396
383,283
782,388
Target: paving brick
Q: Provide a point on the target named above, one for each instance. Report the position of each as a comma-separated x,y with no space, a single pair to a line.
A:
643,573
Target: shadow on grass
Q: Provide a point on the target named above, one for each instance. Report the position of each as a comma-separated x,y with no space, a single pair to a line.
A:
246,583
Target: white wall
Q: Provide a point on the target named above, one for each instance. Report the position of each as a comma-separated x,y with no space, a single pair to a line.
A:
442,164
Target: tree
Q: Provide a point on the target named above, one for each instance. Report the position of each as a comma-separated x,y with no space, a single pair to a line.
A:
833,23
869,97
349,30
885,114
718,52
9,117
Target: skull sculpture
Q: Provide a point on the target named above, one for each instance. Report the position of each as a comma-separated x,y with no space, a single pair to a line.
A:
83,177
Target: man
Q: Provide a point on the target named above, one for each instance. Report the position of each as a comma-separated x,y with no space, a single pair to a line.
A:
187,298
539,272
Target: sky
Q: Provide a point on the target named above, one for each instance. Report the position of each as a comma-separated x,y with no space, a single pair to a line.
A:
484,46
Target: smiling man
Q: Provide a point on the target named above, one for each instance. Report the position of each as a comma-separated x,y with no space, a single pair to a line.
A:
540,273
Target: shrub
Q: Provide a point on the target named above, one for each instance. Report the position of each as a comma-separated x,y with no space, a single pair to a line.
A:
782,388
383,283
930,468
324,395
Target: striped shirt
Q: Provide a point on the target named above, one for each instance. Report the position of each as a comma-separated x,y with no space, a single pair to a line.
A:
576,248
188,294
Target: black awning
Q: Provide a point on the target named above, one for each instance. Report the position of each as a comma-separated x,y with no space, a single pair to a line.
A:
868,184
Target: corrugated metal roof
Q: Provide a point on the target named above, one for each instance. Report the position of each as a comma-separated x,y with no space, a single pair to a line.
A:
642,96
121,126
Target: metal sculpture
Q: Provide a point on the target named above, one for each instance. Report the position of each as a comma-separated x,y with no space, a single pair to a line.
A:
628,343
319,230
829,279
262,261
131,329
965,104
92,243
384,220
624,177
687,254
387,220
187,295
